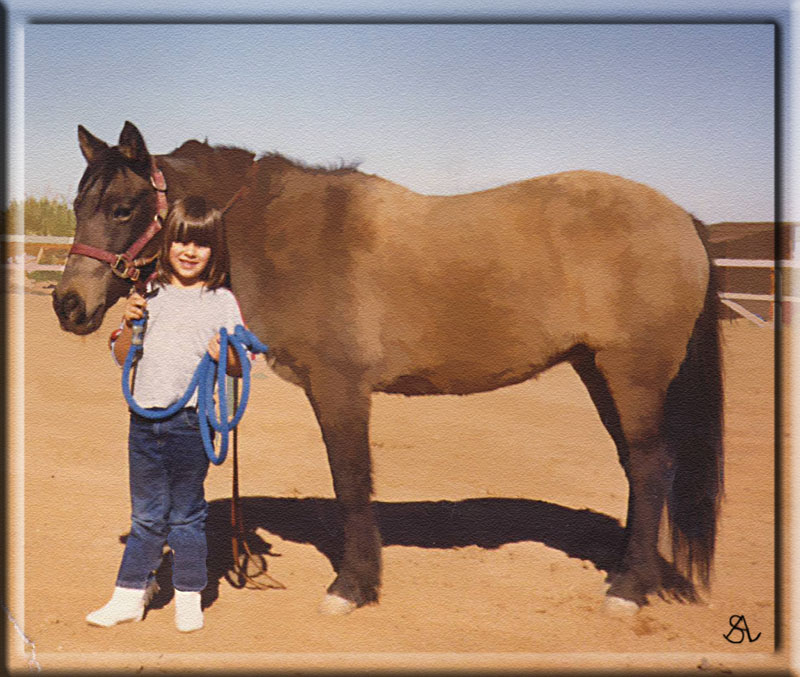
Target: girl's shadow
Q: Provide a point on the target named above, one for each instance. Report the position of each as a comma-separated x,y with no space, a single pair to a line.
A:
484,522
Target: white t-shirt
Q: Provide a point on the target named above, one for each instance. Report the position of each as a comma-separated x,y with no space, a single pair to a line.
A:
180,323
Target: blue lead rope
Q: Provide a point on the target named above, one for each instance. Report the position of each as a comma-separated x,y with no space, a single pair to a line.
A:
203,382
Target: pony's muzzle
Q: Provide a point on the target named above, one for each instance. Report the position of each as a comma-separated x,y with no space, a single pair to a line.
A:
70,309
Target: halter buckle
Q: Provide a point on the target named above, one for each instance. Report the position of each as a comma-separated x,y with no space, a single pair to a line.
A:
123,268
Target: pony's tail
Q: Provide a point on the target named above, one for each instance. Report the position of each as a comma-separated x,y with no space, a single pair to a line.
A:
693,420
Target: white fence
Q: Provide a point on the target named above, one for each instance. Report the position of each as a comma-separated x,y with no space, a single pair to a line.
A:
730,298
38,239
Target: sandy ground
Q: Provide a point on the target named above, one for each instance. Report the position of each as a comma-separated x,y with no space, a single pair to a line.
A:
497,512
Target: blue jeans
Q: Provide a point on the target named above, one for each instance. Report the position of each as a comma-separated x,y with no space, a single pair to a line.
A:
167,465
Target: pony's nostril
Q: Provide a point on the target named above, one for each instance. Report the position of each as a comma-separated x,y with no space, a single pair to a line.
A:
70,307
72,303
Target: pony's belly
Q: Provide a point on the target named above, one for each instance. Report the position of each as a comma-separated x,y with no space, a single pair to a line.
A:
463,381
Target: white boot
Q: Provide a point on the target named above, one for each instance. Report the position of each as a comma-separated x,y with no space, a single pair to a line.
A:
188,613
126,604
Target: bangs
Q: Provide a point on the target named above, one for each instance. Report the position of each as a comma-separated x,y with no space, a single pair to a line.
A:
192,219
202,234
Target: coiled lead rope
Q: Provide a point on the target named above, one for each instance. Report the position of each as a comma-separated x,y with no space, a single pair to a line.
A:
203,382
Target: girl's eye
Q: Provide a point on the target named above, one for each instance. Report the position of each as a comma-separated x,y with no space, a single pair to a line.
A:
122,213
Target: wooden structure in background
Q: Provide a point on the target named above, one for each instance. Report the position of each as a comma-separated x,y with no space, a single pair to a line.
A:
753,286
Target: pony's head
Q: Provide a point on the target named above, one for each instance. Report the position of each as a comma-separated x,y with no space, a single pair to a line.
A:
115,205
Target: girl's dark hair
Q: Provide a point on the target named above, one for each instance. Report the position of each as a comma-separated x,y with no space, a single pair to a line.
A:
193,219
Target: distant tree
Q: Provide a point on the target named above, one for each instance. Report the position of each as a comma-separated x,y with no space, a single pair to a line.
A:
43,216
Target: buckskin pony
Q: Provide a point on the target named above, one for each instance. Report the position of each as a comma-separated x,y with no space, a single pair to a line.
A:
359,285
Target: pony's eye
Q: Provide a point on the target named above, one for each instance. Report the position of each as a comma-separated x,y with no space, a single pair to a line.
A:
122,213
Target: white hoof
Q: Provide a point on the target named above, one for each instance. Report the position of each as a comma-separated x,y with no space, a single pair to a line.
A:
333,605
618,606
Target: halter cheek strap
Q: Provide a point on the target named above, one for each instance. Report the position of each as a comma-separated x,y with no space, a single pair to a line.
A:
126,265
159,183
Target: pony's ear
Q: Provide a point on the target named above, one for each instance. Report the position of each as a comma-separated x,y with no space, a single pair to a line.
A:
90,145
131,144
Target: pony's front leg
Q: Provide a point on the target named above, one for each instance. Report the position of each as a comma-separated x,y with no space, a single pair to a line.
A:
342,405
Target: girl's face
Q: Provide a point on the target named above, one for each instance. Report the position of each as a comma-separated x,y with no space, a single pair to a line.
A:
188,261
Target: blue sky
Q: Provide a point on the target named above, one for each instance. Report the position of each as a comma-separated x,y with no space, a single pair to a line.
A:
439,108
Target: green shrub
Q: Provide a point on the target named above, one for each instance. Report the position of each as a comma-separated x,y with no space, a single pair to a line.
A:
44,275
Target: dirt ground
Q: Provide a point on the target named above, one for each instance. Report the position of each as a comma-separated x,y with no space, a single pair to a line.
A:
497,513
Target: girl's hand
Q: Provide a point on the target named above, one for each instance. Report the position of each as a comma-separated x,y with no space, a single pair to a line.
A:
233,367
134,308
213,347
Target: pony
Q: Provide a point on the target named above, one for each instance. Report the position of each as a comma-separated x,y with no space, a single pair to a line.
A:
359,285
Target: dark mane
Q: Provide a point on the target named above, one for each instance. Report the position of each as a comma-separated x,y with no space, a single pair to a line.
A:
198,151
190,148
341,167
112,161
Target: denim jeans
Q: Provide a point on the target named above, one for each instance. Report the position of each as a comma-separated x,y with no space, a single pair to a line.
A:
167,465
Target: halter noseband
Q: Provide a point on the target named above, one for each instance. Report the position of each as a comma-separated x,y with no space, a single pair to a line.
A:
126,265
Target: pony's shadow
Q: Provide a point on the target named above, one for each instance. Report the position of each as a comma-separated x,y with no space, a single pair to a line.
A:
484,522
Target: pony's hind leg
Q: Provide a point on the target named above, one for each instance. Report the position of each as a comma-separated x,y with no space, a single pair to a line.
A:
583,361
637,382
342,405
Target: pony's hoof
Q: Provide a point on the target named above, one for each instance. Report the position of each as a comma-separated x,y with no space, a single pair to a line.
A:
618,606
333,605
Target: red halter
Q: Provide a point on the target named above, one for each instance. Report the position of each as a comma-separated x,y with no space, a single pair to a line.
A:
126,265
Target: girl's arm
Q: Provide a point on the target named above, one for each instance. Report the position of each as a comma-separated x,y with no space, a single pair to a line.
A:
121,342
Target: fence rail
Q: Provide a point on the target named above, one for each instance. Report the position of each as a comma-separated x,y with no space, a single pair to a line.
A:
730,298
756,263
37,239
32,267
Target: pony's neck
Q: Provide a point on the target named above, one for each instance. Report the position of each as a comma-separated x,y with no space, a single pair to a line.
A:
215,173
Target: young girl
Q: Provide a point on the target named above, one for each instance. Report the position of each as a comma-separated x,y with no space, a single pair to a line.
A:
167,462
